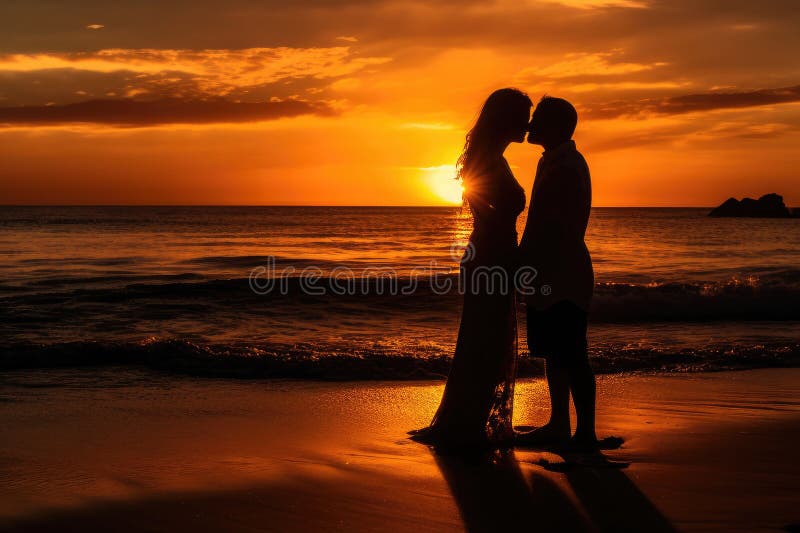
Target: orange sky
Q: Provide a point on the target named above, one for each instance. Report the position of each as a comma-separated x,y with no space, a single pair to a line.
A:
367,102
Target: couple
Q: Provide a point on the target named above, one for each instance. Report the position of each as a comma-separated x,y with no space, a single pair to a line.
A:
477,405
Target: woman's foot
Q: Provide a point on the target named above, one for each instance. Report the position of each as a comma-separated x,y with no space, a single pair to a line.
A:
426,435
446,443
546,436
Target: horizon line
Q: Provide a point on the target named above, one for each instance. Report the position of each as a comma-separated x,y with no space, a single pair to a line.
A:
342,205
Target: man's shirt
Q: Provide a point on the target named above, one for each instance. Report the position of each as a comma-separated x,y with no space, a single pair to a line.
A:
553,240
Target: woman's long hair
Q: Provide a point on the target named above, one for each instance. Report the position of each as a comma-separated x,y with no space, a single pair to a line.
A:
499,110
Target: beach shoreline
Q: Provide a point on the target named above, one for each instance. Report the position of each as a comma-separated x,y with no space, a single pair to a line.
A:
125,449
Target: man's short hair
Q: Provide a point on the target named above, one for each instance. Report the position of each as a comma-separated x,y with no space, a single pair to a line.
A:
560,115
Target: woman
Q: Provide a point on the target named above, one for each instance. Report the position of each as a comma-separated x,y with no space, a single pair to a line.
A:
477,404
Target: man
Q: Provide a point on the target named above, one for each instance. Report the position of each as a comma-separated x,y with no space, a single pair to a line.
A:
553,243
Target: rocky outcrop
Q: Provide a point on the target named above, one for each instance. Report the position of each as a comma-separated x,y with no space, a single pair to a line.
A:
768,206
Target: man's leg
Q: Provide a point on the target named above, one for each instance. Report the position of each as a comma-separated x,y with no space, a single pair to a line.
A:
557,429
583,387
558,381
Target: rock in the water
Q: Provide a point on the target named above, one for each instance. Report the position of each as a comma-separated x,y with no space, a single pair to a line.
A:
770,205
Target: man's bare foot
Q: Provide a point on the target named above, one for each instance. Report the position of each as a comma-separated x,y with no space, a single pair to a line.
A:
542,437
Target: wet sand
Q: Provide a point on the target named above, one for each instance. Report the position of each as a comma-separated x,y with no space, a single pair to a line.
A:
127,450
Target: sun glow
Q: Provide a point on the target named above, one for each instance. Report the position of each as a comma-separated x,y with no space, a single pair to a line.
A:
443,183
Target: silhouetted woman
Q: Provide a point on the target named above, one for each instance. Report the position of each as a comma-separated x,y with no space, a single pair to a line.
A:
477,404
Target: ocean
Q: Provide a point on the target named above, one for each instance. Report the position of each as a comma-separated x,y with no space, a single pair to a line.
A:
306,292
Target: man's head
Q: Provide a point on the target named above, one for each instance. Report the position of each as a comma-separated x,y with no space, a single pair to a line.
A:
553,122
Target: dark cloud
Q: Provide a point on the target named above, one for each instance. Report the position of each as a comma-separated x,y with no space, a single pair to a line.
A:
69,86
690,103
132,113
48,25
696,132
246,75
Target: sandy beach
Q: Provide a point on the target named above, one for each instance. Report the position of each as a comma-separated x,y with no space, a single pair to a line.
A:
118,449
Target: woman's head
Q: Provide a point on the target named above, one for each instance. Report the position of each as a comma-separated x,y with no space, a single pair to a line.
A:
503,119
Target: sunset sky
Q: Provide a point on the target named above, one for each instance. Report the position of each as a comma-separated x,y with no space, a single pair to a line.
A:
682,102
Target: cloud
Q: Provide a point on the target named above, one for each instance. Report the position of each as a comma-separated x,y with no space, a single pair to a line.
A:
580,65
94,26
691,103
679,135
253,74
132,113
627,86
249,66
589,4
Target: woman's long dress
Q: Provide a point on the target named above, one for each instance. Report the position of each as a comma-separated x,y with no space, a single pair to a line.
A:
477,405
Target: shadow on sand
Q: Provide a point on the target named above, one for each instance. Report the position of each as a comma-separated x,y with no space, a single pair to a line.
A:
580,493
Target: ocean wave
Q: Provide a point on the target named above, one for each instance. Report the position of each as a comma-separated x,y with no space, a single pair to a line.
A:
772,296
348,362
240,261
80,261
109,279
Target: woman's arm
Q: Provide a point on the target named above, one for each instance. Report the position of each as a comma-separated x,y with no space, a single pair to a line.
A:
480,198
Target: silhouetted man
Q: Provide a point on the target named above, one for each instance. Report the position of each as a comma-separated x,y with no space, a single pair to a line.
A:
553,244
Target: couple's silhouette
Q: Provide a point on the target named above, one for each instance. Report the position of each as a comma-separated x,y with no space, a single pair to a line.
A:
477,405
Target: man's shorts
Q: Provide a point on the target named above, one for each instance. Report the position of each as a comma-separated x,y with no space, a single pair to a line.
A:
558,334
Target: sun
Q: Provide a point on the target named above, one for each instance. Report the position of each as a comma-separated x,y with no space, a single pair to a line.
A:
442,183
